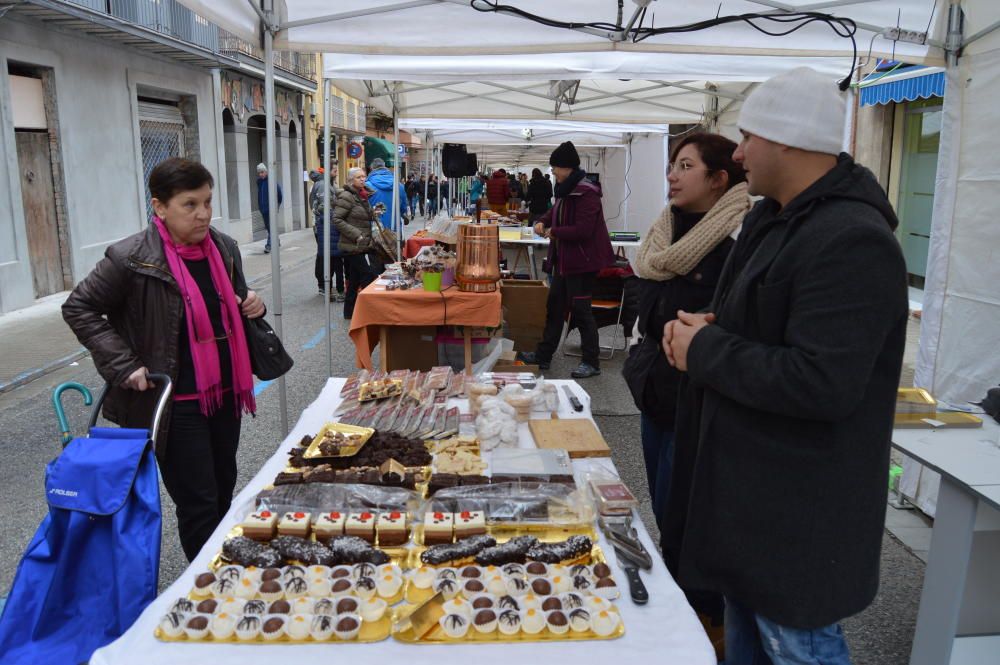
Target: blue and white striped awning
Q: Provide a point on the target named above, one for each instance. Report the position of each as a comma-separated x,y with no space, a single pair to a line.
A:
907,86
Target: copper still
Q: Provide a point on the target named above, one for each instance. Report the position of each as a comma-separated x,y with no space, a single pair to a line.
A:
478,257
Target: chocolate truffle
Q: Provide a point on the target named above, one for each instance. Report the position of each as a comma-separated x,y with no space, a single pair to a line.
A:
605,582
347,624
347,606
484,617
536,568
340,572
198,623
280,607
602,570
541,586
270,586
474,586
471,572
270,574
208,606
483,602
340,586
273,625
557,618
552,603
204,580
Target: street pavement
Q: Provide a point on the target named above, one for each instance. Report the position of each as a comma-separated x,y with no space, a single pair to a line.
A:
882,634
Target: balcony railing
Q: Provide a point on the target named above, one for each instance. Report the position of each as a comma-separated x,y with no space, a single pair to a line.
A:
301,64
169,17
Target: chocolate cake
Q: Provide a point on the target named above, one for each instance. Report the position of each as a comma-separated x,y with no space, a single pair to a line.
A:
467,548
513,551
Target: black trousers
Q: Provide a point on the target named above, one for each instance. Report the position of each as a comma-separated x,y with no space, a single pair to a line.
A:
571,293
199,468
336,268
360,273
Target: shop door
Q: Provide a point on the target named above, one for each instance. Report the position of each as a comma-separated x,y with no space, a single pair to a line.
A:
921,134
39,202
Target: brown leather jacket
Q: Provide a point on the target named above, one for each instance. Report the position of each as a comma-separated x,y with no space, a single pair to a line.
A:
127,312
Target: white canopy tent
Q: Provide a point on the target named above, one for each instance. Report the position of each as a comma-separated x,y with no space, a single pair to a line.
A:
425,43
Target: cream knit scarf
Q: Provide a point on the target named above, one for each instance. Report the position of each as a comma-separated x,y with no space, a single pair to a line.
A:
660,260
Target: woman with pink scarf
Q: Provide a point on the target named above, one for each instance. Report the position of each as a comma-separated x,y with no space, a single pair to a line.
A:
170,299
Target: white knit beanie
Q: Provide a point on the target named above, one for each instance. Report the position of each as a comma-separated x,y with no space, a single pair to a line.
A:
800,108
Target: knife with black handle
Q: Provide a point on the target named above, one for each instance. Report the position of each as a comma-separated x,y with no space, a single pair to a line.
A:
637,590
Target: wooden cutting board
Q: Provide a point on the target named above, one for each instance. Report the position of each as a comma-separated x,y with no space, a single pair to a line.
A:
579,436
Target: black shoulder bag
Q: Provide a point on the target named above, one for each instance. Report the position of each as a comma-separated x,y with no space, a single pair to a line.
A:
268,357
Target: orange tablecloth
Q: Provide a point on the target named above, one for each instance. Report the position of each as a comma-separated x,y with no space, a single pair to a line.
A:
413,246
415,307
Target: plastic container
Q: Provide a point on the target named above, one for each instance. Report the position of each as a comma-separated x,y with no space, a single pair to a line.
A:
432,281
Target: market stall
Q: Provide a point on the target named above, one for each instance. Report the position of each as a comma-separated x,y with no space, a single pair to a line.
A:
664,626
379,311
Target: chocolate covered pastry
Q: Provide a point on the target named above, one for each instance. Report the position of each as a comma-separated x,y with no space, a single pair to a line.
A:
289,478
451,553
513,551
570,549
350,549
248,552
293,548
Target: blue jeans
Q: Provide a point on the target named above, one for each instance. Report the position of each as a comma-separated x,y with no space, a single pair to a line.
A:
658,454
752,639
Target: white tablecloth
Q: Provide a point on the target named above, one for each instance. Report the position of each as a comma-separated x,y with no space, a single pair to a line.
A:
666,630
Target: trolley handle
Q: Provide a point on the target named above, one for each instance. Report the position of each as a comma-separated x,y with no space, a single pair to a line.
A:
161,380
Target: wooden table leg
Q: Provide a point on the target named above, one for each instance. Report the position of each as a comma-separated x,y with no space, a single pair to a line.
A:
383,343
467,334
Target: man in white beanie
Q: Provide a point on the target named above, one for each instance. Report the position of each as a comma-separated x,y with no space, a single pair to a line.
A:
781,460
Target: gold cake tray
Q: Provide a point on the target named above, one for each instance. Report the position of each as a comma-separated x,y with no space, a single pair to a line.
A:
313,451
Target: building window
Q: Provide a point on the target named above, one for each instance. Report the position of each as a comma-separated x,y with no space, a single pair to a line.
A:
161,136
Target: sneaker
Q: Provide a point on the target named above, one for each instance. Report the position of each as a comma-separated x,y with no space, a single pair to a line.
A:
267,250
585,371
531,358
322,291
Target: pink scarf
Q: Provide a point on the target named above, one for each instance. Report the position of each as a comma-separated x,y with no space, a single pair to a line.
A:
208,376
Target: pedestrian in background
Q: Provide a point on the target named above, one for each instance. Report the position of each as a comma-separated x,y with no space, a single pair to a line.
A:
498,191
580,248
790,389
421,188
353,217
381,181
476,193
432,196
443,188
169,300
336,259
264,202
539,195
414,191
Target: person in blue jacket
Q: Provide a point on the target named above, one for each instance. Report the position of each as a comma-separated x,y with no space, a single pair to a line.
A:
263,203
380,181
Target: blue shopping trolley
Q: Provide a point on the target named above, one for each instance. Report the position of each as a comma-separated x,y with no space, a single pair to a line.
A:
93,565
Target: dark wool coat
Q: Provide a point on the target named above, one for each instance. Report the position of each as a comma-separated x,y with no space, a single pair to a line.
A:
785,415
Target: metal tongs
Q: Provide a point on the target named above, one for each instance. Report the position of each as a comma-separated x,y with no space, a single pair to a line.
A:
630,553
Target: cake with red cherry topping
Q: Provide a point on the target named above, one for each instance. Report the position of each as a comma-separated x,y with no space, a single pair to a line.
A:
469,523
294,524
438,528
392,528
261,525
329,525
361,525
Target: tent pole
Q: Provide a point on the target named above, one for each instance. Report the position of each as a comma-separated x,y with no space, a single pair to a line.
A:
427,171
272,197
437,170
628,165
397,223
327,231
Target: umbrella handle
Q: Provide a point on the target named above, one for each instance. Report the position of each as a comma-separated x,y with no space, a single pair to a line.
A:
88,399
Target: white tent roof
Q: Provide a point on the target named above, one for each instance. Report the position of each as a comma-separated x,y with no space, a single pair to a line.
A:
454,27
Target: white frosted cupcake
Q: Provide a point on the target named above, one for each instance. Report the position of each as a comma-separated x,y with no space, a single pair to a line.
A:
497,585
223,625
246,588
594,604
364,570
232,606
231,573
196,627
517,586
318,571
561,583
386,569
323,606
572,601
508,603
248,628
485,621
366,587
454,626
373,609
529,601
604,622
446,573
172,624
224,587
423,577
273,628
457,605
253,573
321,627
347,626
304,605
446,587
319,587
579,620
512,569
293,571
298,626
296,586
254,607
509,622
532,621
182,606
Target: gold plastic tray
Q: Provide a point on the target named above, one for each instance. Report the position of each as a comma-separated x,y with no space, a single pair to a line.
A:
418,624
313,451
371,631
950,419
